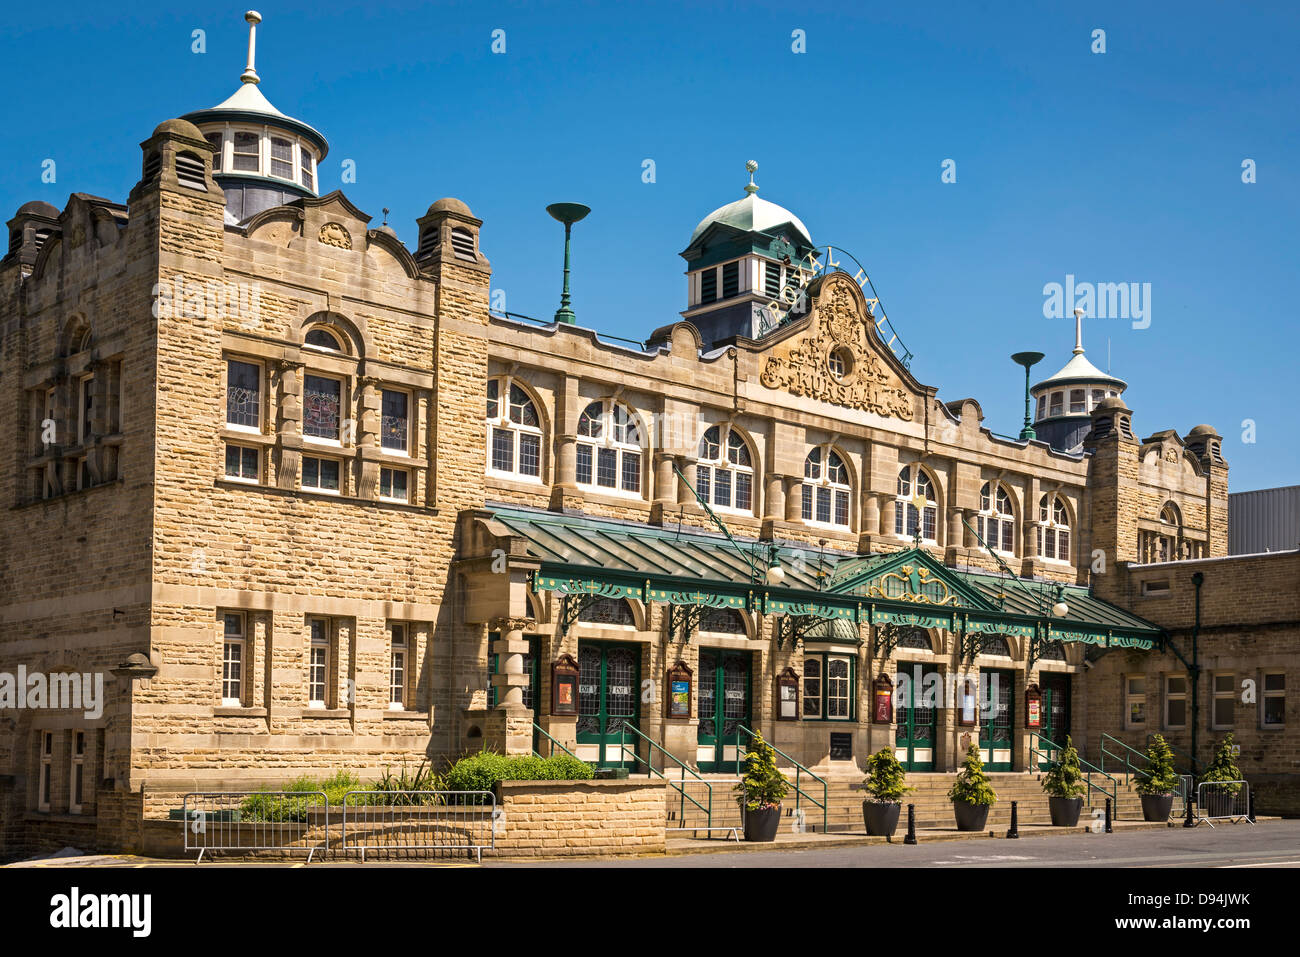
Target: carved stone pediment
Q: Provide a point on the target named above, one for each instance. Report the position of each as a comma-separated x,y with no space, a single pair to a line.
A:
835,360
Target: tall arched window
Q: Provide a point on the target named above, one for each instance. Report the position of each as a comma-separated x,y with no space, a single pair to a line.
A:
914,480
609,448
1171,532
825,488
724,476
1053,530
996,522
514,431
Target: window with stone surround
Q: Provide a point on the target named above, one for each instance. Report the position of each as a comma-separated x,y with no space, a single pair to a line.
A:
395,421
1223,688
77,773
243,395
394,484
916,484
398,676
1135,702
243,463
724,476
320,655
234,646
996,522
609,448
45,781
1053,531
1175,702
321,475
514,431
322,408
85,408
1272,702
825,491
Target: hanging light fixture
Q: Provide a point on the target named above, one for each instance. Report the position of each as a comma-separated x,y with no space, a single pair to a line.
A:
775,573
1061,608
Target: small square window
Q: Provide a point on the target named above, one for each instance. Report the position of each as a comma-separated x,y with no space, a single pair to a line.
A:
242,463
393,484
320,475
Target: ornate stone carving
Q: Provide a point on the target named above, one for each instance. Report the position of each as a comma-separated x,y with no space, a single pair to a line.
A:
839,324
333,234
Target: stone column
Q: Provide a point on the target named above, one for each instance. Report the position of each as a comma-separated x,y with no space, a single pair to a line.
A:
774,497
793,498
288,457
513,722
368,435
684,494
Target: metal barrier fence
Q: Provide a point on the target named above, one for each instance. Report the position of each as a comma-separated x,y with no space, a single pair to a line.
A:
399,823
1223,801
256,821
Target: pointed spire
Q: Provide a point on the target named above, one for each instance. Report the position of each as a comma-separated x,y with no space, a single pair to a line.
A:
250,75
1078,332
752,167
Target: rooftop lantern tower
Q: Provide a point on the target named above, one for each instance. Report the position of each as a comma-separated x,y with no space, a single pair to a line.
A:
263,157
738,262
1064,402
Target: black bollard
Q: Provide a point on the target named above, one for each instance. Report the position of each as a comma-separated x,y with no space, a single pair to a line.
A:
911,825
1250,807
1108,827
1014,831
1187,802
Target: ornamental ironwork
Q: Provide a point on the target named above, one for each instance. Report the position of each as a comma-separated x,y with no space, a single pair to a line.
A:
914,584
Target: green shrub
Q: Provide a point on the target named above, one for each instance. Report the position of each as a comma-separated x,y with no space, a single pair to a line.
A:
886,779
1064,779
1223,768
481,772
1161,777
275,807
763,785
972,785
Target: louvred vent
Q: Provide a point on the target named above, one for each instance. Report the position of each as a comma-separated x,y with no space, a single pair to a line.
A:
152,166
428,242
462,244
189,171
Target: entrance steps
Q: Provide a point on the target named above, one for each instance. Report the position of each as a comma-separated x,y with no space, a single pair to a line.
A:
933,809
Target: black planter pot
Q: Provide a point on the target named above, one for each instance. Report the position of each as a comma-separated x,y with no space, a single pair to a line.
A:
761,825
1065,811
1156,807
881,817
970,817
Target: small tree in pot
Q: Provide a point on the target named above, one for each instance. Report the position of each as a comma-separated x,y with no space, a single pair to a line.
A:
1157,789
1219,800
760,791
885,784
1065,787
972,795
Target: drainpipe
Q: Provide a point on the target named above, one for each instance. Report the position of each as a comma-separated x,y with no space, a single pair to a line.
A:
1198,579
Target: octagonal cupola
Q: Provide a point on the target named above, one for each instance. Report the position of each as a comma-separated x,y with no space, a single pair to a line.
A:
743,267
262,158
1064,401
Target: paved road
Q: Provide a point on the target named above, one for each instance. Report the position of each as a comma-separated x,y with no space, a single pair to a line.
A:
1267,844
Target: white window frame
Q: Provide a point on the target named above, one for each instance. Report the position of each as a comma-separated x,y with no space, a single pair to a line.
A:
335,443
323,646
1171,696
1131,698
45,776
77,772
606,441
991,516
398,676
1048,504
257,468
1265,694
709,465
503,421
821,481
261,393
409,451
228,641
848,688
317,488
907,481
1216,696
405,499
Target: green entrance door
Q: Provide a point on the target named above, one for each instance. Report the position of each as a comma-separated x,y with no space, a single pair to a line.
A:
914,738
1056,711
724,705
997,718
609,683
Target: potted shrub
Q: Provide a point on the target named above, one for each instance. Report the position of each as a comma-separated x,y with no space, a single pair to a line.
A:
1065,787
1157,789
1220,801
885,784
760,791
971,794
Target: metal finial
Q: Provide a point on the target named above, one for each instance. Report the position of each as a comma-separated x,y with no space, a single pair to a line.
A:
385,222
250,75
1078,332
752,167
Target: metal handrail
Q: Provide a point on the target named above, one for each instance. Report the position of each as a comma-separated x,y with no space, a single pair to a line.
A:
680,786
1129,769
798,769
1089,769
554,744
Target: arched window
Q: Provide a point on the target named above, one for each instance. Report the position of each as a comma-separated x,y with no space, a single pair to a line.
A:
724,476
514,431
323,338
609,448
994,645
608,611
1166,544
1052,651
825,488
915,481
1053,532
996,522
722,621
917,638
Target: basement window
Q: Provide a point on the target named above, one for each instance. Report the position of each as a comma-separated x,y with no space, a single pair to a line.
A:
1155,588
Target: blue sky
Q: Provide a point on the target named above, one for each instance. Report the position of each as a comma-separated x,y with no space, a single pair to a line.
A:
1123,166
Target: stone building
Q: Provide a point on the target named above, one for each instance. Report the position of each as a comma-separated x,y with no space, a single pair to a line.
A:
302,503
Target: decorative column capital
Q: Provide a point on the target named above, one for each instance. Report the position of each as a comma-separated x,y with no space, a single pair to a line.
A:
508,624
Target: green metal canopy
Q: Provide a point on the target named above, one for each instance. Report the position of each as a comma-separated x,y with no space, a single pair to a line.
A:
697,568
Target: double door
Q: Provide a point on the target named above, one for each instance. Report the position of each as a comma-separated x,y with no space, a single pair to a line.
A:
609,682
997,718
724,704
916,716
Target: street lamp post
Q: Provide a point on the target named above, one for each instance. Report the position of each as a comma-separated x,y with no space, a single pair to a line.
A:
567,213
